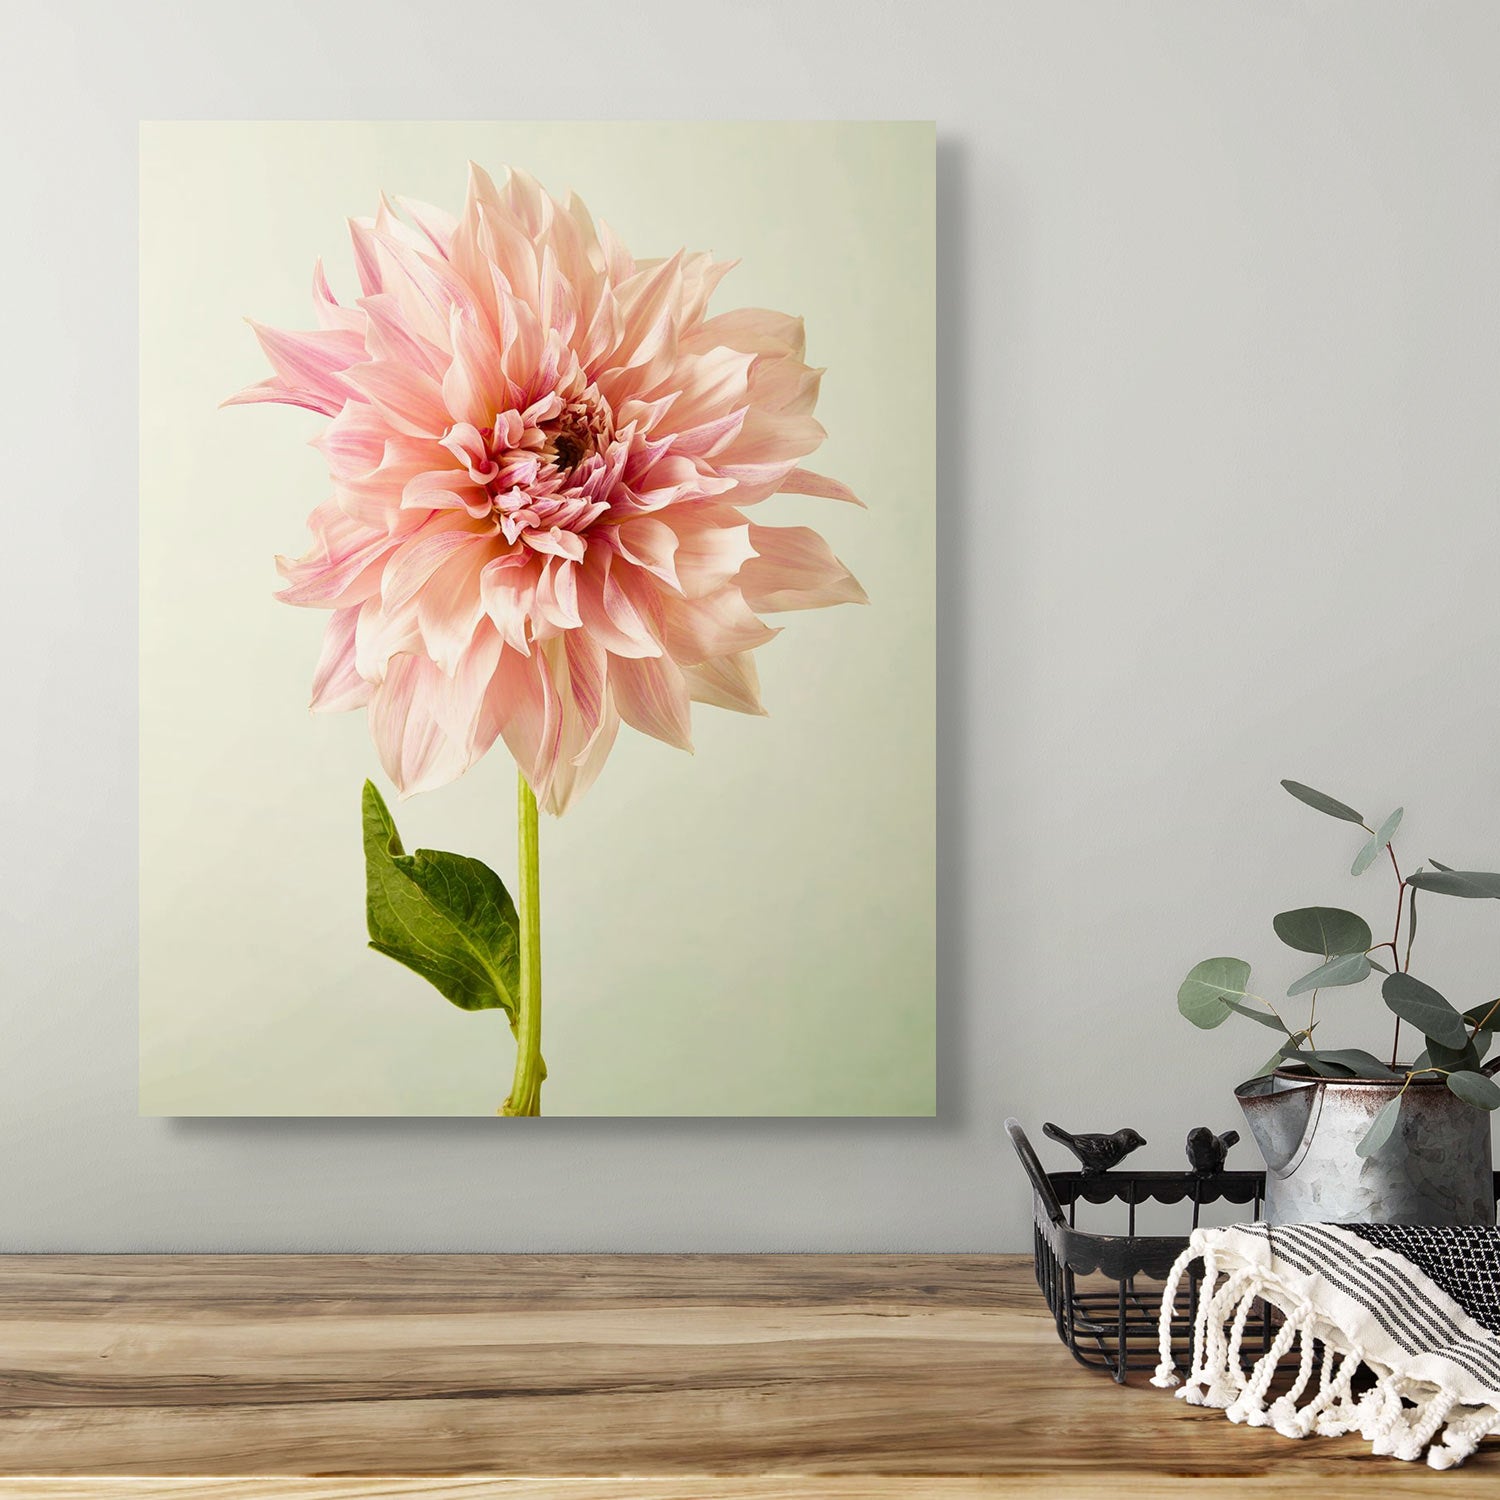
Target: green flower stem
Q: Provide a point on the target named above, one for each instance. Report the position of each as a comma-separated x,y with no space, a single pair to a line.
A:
526,1088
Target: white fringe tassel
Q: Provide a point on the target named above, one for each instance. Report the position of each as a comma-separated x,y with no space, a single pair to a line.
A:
1434,1422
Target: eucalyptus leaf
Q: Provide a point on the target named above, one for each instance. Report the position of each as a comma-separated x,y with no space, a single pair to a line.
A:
1486,1015
1377,841
1451,1059
1324,1064
1359,1062
1426,1009
1263,1016
445,916
1270,1065
1204,996
1476,885
1437,864
1475,1089
1347,968
1323,802
1328,930
1380,966
1382,1127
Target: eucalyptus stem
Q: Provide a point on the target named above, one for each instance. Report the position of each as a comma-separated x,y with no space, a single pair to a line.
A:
526,1088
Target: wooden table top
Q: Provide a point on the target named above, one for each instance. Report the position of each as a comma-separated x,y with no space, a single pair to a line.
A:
596,1377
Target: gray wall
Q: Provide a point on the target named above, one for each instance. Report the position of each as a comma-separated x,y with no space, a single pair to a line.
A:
1219,457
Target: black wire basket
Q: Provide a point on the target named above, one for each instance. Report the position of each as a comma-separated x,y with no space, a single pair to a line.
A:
1094,1283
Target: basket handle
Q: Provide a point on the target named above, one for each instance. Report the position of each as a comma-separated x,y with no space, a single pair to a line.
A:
1039,1179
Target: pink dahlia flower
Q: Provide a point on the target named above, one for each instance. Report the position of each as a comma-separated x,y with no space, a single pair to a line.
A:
541,452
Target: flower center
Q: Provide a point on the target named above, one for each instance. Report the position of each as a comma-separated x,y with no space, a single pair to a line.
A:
578,431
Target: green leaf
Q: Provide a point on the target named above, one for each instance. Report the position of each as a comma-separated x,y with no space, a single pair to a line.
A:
1382,1127
1486,1015
1359,1062
1475,1089
1450,1059
1324,1064
445,916
1437,864
1377,841
1263,1016
1323,802
1380,966
1347,968
1328,930
1426,1009
1269,1066
1476,885
1204,995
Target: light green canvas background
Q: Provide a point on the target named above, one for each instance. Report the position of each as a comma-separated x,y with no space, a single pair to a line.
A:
747,931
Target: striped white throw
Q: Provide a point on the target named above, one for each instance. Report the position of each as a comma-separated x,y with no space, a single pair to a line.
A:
1418,1307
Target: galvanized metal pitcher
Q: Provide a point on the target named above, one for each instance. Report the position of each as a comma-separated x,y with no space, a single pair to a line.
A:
1436,1169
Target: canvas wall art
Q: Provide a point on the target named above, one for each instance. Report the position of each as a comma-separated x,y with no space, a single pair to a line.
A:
579,479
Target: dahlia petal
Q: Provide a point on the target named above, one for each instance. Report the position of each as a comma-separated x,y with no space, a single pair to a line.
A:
617,260
389,223
555,542
450,607
311,362
652,696
525,703
283,394
709,386
752,330
635,611
650,544
381,634
436,223
366,262
589,720
805,482
413,563
330,313
701,274
794,569
647,304
772,437
427,288
353,444
507,586
461,701
722,624
784,385
708,438
411,401
730,682
557,308
416,753
337,684
528,205
474,385
390,337
510,252
713,544
445,489
632,638
575,774
587,675
556,606
342,569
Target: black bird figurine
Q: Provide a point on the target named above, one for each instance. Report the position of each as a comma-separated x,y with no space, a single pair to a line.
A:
1097,1153
1206,1151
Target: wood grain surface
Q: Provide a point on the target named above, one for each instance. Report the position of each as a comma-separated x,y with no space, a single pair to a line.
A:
601,1378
